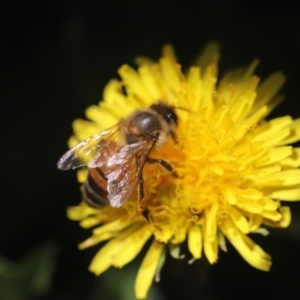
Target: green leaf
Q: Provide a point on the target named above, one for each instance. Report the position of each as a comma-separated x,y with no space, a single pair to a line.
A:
29,277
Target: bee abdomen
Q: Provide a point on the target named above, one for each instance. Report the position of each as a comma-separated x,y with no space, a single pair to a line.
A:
95,189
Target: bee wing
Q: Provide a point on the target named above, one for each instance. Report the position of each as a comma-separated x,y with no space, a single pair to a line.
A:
88,151
126,166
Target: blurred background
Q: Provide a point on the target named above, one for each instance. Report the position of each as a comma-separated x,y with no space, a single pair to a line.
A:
58,56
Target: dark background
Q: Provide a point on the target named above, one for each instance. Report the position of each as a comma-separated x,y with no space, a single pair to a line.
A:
58,56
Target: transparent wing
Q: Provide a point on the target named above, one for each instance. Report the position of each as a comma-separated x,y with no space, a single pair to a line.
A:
126,170
89,150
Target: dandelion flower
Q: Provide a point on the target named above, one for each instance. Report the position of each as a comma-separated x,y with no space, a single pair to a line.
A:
235,167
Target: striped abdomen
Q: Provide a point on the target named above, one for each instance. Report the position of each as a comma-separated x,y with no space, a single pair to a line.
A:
95,188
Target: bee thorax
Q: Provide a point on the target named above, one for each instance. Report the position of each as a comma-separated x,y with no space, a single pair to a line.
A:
143,126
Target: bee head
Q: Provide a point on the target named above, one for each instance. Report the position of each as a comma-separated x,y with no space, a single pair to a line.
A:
167,112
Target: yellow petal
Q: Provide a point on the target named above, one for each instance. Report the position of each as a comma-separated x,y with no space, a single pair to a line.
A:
179,235
283,178
101,116
208,88
102,260
270,204
285,220
239,220
147,270
286,217
96,239
272,215
254,222
116,102
171,76
169,53
209,55
250,251
250,194
105,256
294,133
82,175
194,86
114,226
195,241
277,139
89,222
258,115
211,251
250,206
257,174
210,228
132,247
84,129
294,160
274,155
219,117
230,196
287,195
150,82
271,128
73,141
134,84
241,108
269,87
143,60
242,78
80,212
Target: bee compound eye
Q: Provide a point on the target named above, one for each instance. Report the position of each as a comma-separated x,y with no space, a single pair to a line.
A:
155,134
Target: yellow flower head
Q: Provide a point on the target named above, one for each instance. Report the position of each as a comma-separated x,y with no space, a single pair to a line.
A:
234,167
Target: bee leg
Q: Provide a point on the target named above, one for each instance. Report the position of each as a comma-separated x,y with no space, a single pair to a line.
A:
141,187
174,137
141,193
141,206
146,213
163,163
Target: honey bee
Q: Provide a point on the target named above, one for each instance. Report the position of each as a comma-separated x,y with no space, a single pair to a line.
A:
116,157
